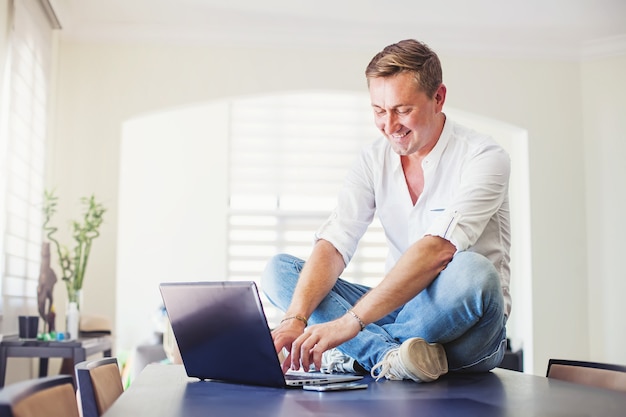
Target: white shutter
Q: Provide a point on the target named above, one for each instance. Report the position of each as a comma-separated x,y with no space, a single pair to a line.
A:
289,156
22,153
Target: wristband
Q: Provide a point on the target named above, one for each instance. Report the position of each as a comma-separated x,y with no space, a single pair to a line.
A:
301,318
357,318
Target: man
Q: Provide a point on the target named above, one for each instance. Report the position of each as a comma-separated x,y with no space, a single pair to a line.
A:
441,194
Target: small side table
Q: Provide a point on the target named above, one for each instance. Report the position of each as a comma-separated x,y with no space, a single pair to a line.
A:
77,350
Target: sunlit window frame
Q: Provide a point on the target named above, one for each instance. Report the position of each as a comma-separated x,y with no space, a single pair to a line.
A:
289,154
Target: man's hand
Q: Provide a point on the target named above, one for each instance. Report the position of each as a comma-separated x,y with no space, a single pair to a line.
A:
308,347
317,278
284,335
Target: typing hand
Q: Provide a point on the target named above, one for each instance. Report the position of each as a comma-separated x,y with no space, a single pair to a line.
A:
308,347
284,336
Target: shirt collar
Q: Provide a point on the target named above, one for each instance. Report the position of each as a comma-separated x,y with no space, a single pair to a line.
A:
433,157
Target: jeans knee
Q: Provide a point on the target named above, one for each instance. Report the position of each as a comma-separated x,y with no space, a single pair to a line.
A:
270,275
280,276
472,281
479,270
270,271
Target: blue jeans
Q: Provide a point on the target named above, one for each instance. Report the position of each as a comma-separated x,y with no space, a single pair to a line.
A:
462,309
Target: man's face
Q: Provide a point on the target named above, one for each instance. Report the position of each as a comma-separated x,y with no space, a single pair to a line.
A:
409,119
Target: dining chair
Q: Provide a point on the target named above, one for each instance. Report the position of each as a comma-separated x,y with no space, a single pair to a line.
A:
99,384
596,374
51,396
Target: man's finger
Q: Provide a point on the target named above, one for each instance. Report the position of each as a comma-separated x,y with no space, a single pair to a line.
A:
295,355
306,351
286,363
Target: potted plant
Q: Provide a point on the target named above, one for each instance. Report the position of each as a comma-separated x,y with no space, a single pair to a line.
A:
74,264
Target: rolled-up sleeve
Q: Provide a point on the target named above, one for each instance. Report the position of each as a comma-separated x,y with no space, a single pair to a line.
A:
354,211
481,192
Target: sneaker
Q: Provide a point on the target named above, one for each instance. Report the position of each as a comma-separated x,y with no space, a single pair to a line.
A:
415,359
333,362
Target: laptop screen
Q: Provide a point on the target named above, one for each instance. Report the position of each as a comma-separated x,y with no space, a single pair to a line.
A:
222,332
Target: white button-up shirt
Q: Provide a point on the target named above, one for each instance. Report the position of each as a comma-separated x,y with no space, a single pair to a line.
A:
465,200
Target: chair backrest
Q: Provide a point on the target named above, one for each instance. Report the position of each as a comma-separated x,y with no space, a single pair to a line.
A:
99,384
596,374
42,397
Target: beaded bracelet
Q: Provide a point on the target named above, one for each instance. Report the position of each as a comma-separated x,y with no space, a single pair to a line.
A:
302,319
357,318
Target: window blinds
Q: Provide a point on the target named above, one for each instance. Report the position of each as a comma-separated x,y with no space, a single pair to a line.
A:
289,156
22,152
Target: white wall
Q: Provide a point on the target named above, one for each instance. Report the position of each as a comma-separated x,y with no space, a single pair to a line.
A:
172,207
604,94
100,86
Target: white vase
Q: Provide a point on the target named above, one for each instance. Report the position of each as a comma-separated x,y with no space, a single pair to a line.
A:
72,319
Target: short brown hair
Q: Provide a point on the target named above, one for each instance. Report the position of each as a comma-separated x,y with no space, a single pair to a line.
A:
412,56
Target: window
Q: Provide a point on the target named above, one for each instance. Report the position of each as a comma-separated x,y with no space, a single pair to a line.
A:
289,155
22,156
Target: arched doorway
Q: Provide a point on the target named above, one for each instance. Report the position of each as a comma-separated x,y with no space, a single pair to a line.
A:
174,206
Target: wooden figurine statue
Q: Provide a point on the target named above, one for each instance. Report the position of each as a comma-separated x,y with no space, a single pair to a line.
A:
47,279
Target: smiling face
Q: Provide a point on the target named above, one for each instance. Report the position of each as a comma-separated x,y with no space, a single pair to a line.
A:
410,120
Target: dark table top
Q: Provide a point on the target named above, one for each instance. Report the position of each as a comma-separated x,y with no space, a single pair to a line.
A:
15,341
165,390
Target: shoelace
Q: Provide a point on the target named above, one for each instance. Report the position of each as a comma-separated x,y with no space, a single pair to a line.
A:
391,367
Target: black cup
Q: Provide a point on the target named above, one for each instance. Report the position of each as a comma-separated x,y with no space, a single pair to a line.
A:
28,327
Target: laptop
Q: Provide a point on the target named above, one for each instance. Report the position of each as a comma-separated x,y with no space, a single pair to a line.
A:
222,334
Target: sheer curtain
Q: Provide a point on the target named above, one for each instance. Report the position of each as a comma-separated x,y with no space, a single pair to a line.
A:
23,127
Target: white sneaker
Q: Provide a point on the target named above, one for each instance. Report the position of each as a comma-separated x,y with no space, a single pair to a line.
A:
333,361
415,359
